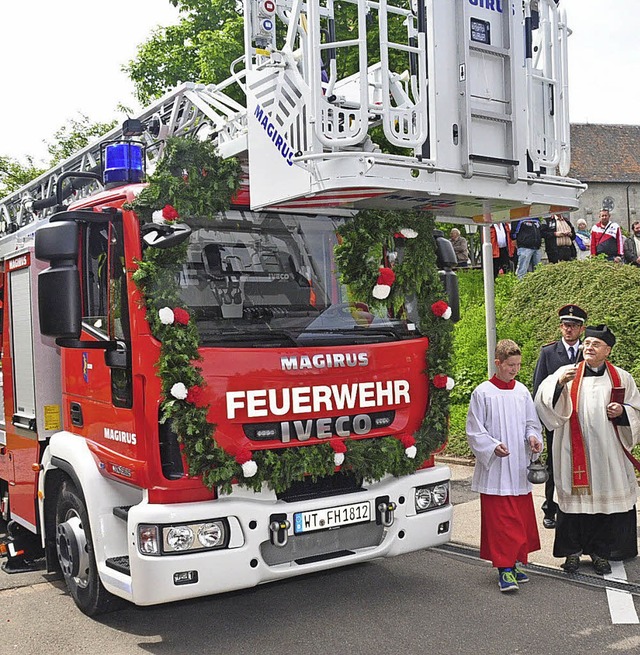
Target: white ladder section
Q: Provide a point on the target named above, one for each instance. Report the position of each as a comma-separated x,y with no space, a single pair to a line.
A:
343,111
397,98
486,80
547,85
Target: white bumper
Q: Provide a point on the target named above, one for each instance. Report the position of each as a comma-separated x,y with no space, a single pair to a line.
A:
251,558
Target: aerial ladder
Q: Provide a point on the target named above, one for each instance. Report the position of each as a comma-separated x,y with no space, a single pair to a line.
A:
459,108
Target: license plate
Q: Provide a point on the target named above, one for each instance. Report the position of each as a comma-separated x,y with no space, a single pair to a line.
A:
331,517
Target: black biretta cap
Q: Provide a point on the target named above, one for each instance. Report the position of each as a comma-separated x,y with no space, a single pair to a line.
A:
601,332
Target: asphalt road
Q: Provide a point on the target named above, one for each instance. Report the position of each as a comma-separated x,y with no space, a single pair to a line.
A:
440,602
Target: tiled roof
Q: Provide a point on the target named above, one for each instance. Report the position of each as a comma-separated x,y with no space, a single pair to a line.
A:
605,153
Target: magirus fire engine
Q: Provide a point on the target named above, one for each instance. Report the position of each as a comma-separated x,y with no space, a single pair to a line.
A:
465,115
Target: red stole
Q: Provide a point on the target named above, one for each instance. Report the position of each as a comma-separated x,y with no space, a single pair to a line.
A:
580,483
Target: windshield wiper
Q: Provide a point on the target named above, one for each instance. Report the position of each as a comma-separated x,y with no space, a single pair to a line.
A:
231,336
362,330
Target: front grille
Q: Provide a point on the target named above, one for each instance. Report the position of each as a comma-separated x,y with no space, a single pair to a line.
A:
332,485
302,430
324,544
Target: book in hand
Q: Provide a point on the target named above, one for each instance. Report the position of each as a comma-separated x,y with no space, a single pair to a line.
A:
617,395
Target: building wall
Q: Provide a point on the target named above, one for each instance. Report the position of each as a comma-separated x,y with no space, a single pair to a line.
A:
626,199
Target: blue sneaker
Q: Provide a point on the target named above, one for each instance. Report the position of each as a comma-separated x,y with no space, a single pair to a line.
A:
521,576
507,580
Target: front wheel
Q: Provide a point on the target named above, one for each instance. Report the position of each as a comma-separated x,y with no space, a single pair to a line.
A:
76,554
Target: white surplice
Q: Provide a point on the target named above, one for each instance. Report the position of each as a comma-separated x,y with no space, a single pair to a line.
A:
505,416
611,475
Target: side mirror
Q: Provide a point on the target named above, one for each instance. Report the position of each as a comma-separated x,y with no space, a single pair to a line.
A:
445,253
59,304
164,236
57,243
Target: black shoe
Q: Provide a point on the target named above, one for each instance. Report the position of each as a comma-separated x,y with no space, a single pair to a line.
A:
549,522
572,564
601,565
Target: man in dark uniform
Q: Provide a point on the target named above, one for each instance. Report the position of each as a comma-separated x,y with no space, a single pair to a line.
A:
552,356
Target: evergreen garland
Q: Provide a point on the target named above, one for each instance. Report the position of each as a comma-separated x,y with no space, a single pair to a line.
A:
191,180
365,242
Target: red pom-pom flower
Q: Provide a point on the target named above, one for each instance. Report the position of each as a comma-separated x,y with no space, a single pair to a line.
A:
170,213
386,278
443,382
244,457
409,444
181,316
406,233
441,309
339,449
195,396
338,445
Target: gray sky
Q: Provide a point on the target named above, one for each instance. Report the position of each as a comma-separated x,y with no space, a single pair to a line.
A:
604,60
62,57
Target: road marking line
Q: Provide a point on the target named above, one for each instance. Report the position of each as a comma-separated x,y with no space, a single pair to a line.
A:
621,606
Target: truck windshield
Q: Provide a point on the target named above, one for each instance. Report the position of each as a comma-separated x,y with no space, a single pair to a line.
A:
270,280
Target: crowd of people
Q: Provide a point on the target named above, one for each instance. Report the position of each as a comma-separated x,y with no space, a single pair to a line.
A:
588,412
517,246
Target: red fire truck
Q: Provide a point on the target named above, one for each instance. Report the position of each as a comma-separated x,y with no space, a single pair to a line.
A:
89,475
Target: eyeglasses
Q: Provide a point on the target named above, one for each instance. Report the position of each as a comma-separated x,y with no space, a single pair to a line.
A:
570,325
595,343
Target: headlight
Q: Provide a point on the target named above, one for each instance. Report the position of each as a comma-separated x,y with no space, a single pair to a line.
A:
423,499
210,535
440,494
431,496
191,537
179,537
183,538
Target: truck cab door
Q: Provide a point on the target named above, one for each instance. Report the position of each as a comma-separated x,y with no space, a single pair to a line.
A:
98,382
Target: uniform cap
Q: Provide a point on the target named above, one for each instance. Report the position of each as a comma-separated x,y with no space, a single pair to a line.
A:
572,313
601,332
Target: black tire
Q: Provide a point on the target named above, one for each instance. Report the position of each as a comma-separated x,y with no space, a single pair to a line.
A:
74,548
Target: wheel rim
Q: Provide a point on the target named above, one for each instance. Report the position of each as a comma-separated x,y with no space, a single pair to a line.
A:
71,544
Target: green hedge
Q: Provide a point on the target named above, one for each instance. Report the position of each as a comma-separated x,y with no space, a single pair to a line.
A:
527,312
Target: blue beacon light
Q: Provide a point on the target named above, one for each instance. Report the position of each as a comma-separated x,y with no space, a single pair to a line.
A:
123,163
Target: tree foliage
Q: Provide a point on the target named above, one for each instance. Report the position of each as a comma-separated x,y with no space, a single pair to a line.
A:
14,174
200,48
74,135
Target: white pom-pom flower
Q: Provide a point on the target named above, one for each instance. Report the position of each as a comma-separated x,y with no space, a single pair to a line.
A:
179,391
338,459
381,291
447,313
249,469
157,217
411,452
166,316
408,233
450,383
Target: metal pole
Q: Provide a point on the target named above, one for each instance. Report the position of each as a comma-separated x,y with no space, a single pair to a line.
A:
489,296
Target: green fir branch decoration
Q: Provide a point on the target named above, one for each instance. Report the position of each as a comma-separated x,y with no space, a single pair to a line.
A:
361,251
194,181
